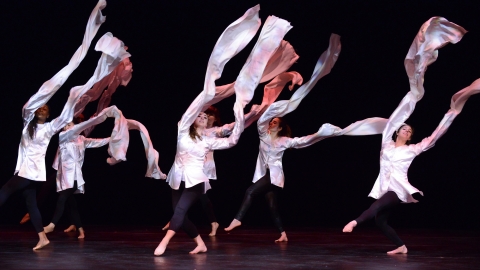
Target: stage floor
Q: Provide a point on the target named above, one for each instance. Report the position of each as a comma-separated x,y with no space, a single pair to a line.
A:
246,248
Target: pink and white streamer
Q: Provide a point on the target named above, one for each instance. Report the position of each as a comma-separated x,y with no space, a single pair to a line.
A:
50,87
283,58
120,138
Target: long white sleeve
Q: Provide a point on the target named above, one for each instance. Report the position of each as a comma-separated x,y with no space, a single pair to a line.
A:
280,61
235,37
324,65
50,87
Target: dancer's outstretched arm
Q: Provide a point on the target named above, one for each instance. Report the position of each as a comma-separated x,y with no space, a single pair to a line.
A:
50,87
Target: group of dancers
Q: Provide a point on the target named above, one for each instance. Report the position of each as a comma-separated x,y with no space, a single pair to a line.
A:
200,131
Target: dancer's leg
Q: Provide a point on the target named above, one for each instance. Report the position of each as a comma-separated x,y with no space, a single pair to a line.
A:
17,183
180,220
72,227
388,200
208,207
381,219
75,215
30,194
271,198
257,188
62,198
46,190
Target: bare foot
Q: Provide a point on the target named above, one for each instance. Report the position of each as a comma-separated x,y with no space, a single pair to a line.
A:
349,227
163,244
400,250
25,218
201,247
235,223
49,228
81,233
166,226
72,228
214,228
283,238
161,248
43,241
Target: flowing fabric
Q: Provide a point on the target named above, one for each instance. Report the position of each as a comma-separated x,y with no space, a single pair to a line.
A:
270,93
153,170
283,58
324,65
113,53
433,35
190,156
50,87
235,37
395,161
271,152
120,76
119,139
31,152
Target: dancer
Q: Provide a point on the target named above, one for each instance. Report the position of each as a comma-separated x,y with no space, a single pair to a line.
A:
275,138
187,178
50,184
392,186
36,134
213,129
69,175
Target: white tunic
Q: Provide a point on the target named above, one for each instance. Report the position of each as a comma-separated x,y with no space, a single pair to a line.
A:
72,154
271,151
395,161
31,152
215,132
191,155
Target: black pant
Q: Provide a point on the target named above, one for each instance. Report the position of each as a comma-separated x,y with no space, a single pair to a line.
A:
66,196
182,199
381,210
208,208
263,186
29,192
47,189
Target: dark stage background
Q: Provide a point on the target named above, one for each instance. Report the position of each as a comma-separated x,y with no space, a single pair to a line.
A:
170,41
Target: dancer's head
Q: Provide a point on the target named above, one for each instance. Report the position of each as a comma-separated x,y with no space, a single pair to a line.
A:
40,116
213,117
68,126
404,133
199,123
279,125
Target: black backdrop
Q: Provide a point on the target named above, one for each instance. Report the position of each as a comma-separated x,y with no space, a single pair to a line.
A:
170,41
